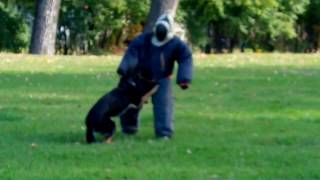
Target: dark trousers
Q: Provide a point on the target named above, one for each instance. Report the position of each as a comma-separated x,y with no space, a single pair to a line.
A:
162,102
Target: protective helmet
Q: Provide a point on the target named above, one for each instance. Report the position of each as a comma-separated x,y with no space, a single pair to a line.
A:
163,30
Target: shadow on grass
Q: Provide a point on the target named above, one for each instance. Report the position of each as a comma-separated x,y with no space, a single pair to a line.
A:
79,138
42,82
65,137
10,115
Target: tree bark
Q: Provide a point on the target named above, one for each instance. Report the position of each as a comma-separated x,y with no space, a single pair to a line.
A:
159,7
45,27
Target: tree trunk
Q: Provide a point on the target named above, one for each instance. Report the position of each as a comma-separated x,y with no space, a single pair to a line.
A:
159,7
45,27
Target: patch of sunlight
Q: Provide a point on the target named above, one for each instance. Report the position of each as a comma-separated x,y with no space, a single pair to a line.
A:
258,59
245,116
48,96
55,64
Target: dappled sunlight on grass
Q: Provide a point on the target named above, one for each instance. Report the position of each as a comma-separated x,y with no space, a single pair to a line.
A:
56,64
239,60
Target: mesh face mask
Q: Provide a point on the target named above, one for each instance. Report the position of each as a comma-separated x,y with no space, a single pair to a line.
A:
161,32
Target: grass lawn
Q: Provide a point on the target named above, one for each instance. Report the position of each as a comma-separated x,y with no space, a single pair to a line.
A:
254,116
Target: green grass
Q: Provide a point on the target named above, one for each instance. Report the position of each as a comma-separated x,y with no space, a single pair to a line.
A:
254,116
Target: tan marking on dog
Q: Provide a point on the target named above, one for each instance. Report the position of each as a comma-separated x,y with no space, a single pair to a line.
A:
108,140
148,94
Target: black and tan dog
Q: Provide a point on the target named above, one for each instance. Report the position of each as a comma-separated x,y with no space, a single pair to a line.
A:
131,92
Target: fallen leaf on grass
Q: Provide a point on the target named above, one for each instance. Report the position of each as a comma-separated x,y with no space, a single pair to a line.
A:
189,151
34,145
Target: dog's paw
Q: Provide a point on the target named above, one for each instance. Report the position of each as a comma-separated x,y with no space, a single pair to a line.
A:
90,137
108,140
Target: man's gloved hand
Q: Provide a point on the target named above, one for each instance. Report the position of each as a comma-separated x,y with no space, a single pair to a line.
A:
184,86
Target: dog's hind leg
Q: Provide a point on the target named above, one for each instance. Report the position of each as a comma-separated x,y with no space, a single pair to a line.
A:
99,117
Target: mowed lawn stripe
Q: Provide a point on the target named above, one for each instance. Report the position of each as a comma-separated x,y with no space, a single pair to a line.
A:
246,116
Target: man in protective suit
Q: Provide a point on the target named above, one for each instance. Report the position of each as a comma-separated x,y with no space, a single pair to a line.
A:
158,51
145,68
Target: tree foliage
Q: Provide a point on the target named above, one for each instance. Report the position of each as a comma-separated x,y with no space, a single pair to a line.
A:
260,24
13,31
310,22
104,22
246,18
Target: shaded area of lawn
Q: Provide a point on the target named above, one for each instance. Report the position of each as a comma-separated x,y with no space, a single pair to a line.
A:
244,122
